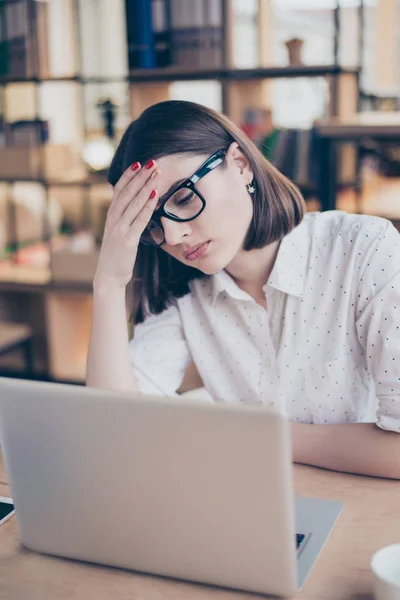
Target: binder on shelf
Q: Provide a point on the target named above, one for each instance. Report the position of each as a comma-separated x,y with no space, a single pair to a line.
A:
3,132
196,33
42,37
183,32
16,28
4,48
161,19
24,51
27,133
60,162
139,27
213,34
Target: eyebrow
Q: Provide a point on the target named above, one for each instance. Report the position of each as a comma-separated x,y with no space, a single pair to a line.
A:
171,189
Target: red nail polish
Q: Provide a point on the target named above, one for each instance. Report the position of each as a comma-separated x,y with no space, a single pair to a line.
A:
150,164
135,166
153,193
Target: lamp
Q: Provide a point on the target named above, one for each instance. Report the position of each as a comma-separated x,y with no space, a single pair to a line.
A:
98,154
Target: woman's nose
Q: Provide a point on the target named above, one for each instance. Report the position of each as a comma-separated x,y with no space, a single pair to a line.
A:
175,231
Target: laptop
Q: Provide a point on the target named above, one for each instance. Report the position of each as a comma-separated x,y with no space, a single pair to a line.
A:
171,487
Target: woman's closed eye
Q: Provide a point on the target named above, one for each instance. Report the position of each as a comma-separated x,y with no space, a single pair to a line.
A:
152,225
184,199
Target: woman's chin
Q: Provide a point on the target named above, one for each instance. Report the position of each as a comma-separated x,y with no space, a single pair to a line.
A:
213,265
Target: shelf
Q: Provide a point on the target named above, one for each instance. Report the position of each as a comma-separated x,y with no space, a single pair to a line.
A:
171,74
22,274
296,71
17,278
375,124
25,286
91,180
4,80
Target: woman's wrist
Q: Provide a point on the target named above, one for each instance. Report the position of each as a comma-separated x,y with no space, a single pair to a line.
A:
105,288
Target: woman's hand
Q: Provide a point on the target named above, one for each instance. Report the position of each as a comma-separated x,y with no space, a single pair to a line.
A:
134,201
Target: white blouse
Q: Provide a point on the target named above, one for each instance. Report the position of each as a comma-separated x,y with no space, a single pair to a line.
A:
326,350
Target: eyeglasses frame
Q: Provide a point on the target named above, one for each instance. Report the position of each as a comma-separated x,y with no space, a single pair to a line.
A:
208,165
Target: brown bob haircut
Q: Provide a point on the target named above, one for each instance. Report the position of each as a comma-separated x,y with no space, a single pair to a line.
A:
186,128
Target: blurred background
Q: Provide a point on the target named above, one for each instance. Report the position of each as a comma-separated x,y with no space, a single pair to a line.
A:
314,83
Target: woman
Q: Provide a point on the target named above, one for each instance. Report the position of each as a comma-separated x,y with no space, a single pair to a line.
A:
297,312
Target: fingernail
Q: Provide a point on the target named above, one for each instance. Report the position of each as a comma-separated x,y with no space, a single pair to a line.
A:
135,166
150,164
152,195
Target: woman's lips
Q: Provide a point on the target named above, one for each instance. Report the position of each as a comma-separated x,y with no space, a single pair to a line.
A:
199,252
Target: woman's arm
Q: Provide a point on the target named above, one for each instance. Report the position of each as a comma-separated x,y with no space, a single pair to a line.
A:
109,363
377,322
134,200
361,448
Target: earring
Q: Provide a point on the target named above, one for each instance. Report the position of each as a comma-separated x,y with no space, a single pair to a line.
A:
250,188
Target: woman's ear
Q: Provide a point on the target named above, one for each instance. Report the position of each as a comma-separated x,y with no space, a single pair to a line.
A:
236,157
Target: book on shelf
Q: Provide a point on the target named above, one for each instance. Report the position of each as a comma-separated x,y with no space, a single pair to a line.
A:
215,34
24,51
294,152
58,162
186,23
4,50
27,133
196,33
36,254
42,37
19,59
3,132
179,33
74,258
139,29
161,21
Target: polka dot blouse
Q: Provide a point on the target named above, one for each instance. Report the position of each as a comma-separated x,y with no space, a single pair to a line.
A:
326,350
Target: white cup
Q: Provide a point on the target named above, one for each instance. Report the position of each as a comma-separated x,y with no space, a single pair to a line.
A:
385,566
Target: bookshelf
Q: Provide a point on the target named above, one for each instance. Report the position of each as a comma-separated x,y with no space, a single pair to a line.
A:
60,75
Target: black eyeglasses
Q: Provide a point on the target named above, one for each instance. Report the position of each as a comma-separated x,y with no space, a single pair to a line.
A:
184,203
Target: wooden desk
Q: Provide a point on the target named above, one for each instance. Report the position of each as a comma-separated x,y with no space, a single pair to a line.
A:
379,126
370,520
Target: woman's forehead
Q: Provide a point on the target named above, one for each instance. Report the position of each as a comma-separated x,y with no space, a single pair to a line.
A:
180,164
175,168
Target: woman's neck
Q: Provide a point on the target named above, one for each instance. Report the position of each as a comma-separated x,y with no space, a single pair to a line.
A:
251,270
